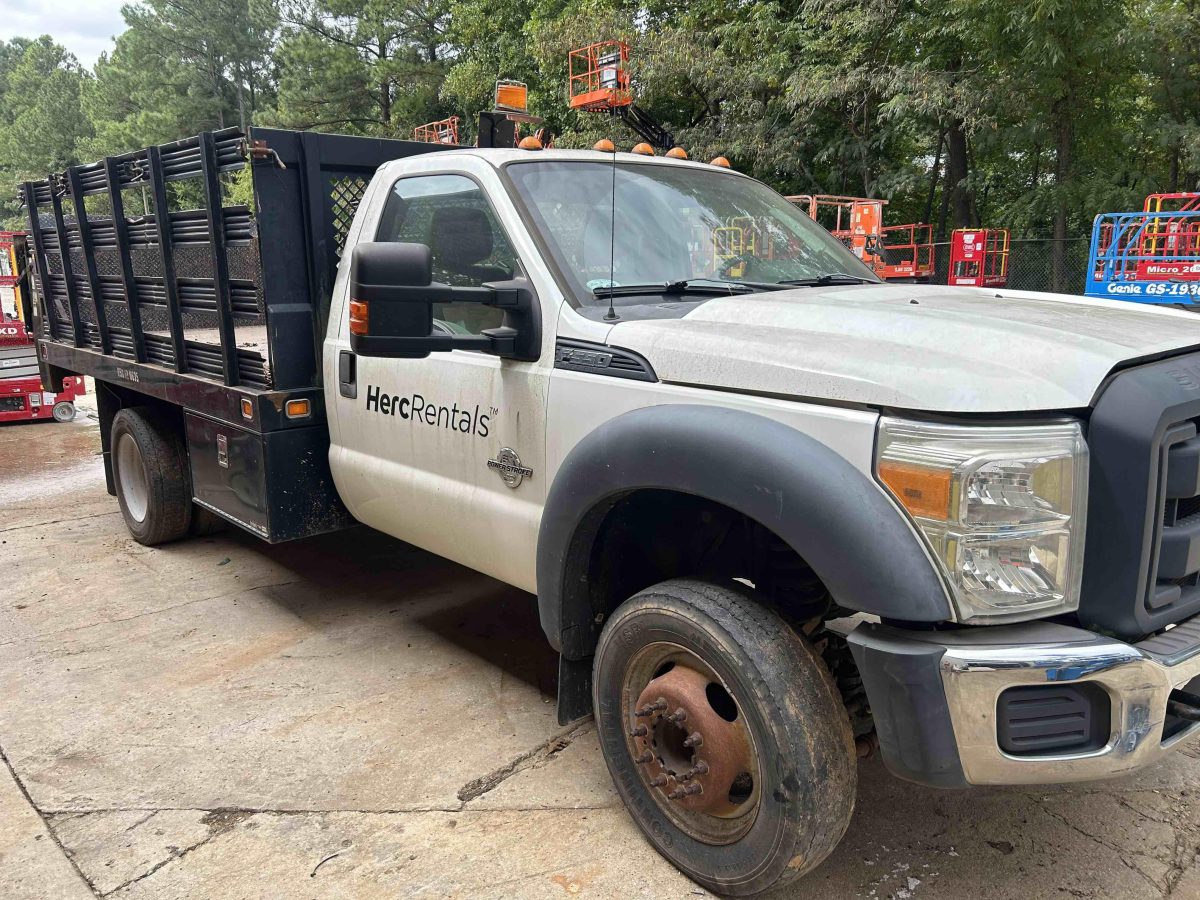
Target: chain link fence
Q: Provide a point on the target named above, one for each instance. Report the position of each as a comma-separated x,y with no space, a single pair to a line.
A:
1031,264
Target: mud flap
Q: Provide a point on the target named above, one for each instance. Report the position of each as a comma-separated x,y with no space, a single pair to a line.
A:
574,689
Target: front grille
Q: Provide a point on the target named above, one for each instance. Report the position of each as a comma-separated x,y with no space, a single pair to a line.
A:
1141,568
1178,562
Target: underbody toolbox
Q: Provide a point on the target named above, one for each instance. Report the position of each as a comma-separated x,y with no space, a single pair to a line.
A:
277,484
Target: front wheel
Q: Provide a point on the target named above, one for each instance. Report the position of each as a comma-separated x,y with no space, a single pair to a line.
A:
64,411
725,735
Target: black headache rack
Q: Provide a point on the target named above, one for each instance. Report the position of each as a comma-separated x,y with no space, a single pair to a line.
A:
147,281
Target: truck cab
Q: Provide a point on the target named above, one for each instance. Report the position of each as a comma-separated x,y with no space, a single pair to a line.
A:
777,513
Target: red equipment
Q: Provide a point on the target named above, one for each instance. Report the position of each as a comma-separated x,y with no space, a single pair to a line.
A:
22,399
979,257
21,394
443,131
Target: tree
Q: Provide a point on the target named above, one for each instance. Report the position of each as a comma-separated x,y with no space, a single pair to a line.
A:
367,66
217,49
43,120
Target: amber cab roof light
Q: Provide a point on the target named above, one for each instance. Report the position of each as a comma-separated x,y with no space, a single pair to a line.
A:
512,95
644,149
677,153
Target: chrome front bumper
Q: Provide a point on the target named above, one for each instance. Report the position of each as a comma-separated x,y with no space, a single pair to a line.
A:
923,724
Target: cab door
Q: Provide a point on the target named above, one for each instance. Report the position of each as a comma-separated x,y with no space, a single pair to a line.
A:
447,452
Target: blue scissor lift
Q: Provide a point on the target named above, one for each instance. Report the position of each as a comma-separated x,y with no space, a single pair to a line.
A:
1151,256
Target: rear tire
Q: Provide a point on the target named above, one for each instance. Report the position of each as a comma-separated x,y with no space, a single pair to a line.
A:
150,470
763,679
64,411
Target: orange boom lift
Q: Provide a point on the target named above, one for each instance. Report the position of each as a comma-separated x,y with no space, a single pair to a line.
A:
599,83
894,253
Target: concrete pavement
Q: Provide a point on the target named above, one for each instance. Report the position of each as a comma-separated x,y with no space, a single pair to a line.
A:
351,717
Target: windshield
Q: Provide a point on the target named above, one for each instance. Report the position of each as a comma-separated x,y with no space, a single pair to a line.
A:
674,224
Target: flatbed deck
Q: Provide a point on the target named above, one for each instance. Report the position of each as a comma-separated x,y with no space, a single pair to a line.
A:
214,314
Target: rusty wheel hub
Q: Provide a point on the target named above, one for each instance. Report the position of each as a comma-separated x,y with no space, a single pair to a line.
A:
692,743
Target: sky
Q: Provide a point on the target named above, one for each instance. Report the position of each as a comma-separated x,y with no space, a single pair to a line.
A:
85,27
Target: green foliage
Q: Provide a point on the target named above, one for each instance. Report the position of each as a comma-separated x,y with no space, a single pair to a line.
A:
361,66
1031,114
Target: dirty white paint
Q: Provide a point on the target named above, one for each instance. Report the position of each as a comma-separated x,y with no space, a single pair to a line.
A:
953,350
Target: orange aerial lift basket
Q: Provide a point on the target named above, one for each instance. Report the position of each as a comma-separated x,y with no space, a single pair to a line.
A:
979,257
908,253
598,77
443,131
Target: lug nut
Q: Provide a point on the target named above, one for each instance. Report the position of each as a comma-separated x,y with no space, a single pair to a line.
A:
681,792
659,781
695,739
678,717
700,768
651,708
640,731
644,758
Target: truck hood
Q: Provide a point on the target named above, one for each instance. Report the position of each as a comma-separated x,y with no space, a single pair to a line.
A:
915,347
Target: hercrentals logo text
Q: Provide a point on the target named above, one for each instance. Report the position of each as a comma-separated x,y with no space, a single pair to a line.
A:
419,409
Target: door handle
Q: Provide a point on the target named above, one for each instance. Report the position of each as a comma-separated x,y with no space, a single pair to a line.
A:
347,374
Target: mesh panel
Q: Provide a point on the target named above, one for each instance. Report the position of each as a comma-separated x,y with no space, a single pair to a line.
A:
345,193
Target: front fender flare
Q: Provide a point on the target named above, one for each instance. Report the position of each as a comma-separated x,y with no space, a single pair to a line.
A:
863,549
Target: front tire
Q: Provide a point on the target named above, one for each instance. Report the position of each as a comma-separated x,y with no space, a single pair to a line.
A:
768,791
150,470
64,411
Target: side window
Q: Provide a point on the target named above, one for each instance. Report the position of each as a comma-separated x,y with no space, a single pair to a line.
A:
452,215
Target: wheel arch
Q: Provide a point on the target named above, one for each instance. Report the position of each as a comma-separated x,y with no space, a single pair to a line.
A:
839,521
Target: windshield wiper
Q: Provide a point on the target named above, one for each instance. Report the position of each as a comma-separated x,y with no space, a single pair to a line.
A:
827,279
706,286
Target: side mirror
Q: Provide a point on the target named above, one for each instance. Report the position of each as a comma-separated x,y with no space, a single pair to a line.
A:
392,293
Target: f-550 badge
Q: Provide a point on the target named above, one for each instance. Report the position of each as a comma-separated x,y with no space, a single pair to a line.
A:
508,466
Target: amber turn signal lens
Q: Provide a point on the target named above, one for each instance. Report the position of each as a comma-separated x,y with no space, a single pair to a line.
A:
677,153
359,319
297,409
644,149
923,492
247,408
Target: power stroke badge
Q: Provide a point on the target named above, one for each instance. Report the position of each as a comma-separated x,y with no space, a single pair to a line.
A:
508,465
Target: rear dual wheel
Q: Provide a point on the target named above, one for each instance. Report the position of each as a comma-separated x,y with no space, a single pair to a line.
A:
150,469
725,735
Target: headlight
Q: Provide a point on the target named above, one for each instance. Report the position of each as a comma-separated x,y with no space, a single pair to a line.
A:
1003,509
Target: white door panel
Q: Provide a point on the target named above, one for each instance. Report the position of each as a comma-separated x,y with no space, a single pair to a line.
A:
412,449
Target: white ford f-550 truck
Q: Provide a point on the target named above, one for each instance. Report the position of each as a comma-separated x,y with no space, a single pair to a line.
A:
774,510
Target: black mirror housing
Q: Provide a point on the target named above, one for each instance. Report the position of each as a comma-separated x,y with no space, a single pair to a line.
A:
392,293
378,267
